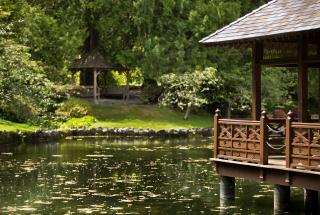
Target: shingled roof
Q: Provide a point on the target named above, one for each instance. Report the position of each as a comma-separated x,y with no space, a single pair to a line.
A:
91,60
276,18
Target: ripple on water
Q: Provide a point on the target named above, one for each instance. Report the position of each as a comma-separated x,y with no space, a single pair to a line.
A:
99,177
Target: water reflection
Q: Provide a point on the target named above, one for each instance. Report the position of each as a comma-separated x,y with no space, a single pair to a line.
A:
120,177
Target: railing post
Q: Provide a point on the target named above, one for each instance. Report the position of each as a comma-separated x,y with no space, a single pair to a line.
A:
288,132
263,139
216,133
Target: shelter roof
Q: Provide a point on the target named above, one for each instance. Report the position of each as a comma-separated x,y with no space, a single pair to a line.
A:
91,60
274,19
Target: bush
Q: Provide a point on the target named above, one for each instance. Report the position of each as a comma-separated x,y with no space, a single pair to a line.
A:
190,89
151,91
26,95
73,108
83,122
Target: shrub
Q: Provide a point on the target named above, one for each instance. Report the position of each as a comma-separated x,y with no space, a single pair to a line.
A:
25,92
83,122
73,107
190,89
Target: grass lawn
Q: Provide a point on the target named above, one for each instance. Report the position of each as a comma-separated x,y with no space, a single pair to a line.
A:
146,116
12,126
131,116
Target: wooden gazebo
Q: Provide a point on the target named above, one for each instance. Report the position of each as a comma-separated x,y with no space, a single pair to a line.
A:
281,33
90,64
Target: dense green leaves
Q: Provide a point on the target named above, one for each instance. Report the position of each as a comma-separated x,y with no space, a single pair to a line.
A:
26,94
194,89
158,39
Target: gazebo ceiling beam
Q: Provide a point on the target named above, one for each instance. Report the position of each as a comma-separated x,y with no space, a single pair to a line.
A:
280,61
311,61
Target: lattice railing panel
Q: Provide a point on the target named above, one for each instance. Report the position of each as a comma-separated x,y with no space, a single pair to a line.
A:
305,146
239,140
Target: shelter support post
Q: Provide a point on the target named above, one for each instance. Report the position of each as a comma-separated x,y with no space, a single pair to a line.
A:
125,96
281,201
257,56
303,115
310,202
95,86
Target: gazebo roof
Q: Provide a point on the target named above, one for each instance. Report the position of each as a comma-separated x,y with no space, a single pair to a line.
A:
276,19
91,60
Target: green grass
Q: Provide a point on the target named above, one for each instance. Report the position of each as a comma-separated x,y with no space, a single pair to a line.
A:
12,126
146,116
131,116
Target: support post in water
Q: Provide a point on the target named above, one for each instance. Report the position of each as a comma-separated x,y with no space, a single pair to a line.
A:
227,190
281,200
311,202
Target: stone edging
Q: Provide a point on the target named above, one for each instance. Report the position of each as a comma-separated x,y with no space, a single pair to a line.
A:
56,135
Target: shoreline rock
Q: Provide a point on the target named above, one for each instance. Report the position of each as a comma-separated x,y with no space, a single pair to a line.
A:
57,135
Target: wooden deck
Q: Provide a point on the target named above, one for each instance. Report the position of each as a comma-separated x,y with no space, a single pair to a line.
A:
273,173
278,161
242,148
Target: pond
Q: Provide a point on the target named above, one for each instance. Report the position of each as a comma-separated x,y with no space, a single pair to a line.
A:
100,176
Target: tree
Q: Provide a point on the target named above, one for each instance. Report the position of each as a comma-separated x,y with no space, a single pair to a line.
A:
194,89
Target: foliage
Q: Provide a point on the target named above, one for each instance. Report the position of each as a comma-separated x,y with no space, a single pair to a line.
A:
314,92
195,89
152,37
136,77
26,94
112,78
73,108
53,42
150,91
279,89
82,122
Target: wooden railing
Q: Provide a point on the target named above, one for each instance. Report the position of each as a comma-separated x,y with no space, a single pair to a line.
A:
250,141
302,145
241,140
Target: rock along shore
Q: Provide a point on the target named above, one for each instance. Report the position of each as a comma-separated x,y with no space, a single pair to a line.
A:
56,135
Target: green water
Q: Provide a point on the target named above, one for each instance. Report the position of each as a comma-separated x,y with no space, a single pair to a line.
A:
119,177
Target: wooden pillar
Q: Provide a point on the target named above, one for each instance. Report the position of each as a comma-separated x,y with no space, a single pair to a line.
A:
310,202
288,139
227,187
126,90
216,132
263,139
318,52
95,86
227,194
303,115
319,94
281,201
257,55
